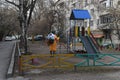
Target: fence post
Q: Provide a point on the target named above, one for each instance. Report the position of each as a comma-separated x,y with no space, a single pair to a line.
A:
20,65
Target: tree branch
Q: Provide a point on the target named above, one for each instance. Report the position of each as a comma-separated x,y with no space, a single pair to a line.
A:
31,9
12,3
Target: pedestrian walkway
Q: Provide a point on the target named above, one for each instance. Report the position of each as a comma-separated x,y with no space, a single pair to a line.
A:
5,56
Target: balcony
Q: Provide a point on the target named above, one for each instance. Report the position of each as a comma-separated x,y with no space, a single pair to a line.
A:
102,1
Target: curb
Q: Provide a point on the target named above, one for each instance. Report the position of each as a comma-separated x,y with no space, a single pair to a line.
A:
11,64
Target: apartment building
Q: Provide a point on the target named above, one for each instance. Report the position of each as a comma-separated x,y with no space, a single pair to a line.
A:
103,18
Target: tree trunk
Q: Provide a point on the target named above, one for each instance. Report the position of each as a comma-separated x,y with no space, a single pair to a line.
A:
1,36
25,43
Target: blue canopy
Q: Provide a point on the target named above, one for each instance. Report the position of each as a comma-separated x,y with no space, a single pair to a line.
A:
78,14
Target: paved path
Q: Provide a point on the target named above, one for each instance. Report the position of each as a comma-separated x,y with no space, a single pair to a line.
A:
5,55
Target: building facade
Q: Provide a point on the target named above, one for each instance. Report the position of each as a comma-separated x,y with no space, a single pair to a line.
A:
103,13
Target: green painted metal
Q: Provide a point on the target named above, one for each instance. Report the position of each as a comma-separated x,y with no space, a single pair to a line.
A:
103,59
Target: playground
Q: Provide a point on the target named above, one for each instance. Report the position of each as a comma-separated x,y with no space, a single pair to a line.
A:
72,58
58,73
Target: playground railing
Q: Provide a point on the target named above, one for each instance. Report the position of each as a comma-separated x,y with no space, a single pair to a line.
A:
103,59
43,61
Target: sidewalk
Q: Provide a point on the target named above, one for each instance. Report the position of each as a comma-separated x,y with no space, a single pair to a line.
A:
6,50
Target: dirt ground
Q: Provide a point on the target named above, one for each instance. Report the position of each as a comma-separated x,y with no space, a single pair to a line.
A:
82,73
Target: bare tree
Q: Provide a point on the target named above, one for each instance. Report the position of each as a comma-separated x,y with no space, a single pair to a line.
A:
52,14
115,20
110,21
25,8
8,22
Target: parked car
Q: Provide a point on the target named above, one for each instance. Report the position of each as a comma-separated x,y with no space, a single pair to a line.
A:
8,38
38,37
107,45
29,38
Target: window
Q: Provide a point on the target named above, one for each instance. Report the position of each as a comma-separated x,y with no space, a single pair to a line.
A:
74,5
98,21
86,3
104,5
101,19
91,22
111,3
85,24
118,2
106,18
92,11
